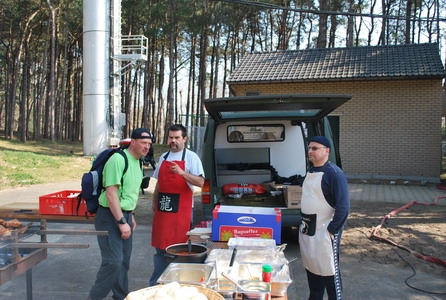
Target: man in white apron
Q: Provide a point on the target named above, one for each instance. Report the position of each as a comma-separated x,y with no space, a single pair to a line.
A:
324,209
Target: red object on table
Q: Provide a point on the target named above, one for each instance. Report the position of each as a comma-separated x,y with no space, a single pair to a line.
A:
266,273
243,188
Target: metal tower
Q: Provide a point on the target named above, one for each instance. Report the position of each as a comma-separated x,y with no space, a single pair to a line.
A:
106,56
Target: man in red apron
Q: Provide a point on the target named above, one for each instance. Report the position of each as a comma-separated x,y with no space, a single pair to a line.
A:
325,207
178,171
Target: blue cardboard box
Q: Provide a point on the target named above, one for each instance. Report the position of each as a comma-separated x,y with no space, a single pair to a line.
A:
246,221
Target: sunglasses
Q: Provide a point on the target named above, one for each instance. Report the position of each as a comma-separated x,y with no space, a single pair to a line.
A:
314,148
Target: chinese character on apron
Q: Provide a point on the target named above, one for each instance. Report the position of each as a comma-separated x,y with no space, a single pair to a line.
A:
173,211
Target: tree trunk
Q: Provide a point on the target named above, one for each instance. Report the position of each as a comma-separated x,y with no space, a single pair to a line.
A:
52,80
385,22
23,117
407,33
190,102
202,72
323,19
13,77
350,25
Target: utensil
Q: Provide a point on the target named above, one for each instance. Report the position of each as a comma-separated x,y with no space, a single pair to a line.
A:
234,253
231,279
189,246
231,262
216,275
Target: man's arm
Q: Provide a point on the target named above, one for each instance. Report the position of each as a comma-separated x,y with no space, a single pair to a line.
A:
194,180
197,180
342,203
111,192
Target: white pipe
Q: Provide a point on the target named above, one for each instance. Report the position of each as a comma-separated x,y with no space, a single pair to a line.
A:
96,75
116,115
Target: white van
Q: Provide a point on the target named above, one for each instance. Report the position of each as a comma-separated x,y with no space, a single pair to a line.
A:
255,147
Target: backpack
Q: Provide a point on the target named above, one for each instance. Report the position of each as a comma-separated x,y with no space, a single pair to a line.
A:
91,183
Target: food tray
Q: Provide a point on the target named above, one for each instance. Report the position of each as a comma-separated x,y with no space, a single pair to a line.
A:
248,266
210,294
187,273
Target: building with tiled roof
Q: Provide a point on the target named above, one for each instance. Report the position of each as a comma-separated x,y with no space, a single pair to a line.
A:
391,128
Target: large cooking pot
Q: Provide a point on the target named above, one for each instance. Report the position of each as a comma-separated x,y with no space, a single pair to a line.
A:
180,253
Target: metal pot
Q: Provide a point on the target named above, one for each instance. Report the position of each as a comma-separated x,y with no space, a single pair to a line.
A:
186,253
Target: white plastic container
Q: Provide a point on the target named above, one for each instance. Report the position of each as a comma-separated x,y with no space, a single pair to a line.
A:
242,243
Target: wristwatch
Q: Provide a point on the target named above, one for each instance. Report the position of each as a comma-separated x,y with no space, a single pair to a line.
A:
122,221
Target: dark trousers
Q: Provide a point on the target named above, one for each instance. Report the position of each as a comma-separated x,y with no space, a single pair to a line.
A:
318,284
160,264
115,253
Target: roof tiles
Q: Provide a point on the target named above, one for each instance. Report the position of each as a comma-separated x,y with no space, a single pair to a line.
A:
370,62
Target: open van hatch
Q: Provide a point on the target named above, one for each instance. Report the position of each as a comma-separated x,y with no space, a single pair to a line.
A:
272,107
261,140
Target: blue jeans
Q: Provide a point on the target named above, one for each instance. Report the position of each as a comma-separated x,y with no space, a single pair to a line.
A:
160,264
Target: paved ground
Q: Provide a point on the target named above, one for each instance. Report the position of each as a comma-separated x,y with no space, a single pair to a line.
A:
68,273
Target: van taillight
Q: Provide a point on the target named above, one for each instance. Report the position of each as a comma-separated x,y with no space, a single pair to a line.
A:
206,192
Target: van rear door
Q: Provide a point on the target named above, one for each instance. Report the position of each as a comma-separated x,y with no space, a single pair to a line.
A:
298,107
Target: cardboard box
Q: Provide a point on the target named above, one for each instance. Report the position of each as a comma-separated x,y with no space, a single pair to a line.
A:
59,203
293,195
246,221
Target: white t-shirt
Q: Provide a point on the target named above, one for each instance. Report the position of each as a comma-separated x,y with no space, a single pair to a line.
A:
193,163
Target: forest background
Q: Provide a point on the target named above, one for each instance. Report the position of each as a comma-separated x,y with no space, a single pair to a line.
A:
194,45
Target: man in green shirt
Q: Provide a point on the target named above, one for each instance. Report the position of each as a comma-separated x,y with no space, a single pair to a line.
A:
115,215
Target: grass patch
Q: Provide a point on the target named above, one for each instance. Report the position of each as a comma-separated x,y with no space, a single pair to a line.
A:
25,164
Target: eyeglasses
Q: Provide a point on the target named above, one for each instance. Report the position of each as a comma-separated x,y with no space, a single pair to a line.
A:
314,148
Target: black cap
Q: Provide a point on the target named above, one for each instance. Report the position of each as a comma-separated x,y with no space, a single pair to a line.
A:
137,134
320,140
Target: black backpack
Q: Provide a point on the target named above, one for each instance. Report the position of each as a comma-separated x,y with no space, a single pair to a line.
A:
91,183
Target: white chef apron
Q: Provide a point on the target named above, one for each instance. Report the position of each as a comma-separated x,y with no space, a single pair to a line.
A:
316,250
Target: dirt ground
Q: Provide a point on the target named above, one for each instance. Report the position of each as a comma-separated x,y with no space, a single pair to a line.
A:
418,230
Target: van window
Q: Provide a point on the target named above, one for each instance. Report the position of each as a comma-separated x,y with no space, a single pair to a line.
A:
255,133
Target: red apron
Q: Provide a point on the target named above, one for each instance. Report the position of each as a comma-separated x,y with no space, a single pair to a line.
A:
173,211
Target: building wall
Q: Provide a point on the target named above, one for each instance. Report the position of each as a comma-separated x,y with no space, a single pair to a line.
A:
388,130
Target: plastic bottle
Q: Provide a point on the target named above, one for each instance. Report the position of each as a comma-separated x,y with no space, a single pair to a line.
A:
267,272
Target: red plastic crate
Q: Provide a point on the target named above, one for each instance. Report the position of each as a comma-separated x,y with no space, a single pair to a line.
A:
59,203
82,208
